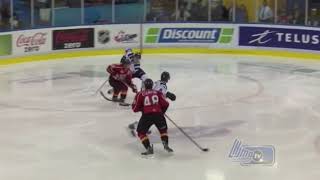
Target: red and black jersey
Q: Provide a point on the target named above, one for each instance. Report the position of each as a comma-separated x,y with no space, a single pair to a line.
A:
120,73
150,102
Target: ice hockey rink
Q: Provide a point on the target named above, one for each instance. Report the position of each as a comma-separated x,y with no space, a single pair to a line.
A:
54,127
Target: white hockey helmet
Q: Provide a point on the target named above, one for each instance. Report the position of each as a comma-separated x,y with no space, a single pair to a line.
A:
128,50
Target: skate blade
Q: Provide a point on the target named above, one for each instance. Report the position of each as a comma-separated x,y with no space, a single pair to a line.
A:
149,156
133,133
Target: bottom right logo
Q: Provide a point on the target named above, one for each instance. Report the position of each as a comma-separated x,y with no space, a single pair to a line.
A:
250,155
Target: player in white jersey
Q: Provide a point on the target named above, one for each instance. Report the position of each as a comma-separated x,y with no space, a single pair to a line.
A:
161,86
135,64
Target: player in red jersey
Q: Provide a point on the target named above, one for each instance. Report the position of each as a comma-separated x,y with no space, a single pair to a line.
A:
153,105
120,78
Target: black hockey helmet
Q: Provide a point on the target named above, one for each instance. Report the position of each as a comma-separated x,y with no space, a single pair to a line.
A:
148,84
165,76
137,55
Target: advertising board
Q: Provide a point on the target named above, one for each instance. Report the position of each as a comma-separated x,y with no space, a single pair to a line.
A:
305,39
26,42
73,38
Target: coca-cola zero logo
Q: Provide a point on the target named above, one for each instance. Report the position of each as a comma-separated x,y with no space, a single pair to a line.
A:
80,35
36,40
73,38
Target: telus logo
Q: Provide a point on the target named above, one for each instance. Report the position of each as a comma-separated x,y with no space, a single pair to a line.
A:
268,35
298,38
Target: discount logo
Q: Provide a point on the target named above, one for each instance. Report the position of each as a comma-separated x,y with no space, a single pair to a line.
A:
189,35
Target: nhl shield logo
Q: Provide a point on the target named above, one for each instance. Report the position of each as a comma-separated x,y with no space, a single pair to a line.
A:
104,36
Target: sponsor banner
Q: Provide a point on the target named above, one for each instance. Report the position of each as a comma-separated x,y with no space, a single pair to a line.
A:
5,45
208,35
73,38
279,38
115,36
25,42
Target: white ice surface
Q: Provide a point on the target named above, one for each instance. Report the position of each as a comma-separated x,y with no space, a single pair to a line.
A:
52,127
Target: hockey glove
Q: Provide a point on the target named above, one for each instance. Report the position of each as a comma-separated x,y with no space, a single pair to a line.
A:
164,110
134,88
171,96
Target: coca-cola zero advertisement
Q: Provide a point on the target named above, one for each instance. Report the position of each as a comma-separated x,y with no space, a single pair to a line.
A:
31,42
73,38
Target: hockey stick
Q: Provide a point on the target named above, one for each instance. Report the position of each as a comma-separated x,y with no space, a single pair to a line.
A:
101,87
120,103
183,132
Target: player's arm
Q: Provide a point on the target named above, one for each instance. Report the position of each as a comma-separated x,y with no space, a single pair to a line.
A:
137,55
113,71
163,88
110,69
123,58
137,104
164,104
129,82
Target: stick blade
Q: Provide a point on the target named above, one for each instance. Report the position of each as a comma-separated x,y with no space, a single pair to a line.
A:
205,149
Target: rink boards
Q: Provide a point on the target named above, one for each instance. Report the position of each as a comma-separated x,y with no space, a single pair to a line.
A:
77,41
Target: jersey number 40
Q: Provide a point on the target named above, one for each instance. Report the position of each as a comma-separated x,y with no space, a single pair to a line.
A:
154,100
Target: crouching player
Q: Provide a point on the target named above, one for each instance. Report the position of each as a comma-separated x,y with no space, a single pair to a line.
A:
153,105
120,79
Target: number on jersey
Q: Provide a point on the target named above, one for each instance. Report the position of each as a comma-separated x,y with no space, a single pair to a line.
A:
154,100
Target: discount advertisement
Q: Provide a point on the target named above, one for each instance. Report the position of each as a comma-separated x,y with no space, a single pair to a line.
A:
190,35
73,38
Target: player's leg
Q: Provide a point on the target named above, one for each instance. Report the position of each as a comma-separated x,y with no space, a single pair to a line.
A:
123,92
140,74
133,126
161,125
143,126
116,88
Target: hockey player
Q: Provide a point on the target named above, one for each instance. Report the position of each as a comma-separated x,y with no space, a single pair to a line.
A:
120,79
126,52
161,86
153,105
135,66
135,58
138,72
